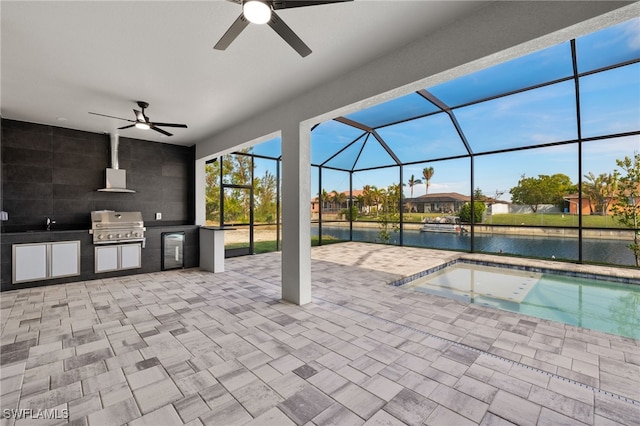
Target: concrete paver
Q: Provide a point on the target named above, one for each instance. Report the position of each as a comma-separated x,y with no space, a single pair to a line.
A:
201,348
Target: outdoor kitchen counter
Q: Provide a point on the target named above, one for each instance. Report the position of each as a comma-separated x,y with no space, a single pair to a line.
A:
151,254
43,236
212,248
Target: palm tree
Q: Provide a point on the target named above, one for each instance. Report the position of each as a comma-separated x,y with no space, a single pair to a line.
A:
427,173
412,182
360,200
379,197
600,190
393,198
323,198
339,198
333,198
367,196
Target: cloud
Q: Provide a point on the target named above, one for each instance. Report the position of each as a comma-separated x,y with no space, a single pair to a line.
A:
631,31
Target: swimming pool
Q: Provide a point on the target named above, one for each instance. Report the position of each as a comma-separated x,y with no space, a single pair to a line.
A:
606,306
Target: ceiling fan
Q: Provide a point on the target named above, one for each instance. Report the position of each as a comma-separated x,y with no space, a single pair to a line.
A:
263,12
143,122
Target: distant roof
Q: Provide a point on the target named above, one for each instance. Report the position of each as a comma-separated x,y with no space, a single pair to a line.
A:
356,193
439,196
442,196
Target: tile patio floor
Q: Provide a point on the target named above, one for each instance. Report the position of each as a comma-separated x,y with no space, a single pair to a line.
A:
221,349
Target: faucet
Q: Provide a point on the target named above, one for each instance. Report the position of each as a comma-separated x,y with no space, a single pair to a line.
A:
49,223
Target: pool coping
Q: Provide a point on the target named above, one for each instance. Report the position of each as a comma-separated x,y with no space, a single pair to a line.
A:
520,267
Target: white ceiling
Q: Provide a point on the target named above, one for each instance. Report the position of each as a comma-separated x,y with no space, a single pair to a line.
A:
62,59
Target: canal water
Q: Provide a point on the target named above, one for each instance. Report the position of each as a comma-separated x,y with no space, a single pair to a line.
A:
614,252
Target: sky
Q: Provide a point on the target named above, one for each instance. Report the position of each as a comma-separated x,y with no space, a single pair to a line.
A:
609,104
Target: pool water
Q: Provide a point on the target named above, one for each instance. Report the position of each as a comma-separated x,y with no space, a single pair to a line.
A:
595,304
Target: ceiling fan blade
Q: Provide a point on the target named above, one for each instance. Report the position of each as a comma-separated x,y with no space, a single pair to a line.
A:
126,127
288,35
111,116
234,30
184,126
140,116
161,131
283,4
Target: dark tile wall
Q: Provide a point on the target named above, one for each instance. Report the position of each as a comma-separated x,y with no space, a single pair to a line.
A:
55,172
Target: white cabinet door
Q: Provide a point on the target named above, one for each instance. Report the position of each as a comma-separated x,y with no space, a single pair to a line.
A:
29,262
130,256
106,258
116,258
65,259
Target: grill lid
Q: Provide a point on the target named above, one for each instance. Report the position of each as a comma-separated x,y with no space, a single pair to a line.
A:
110,218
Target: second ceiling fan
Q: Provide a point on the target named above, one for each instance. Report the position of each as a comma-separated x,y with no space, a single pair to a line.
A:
142,121
263,12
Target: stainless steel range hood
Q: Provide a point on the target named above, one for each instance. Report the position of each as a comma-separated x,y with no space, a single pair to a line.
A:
116,178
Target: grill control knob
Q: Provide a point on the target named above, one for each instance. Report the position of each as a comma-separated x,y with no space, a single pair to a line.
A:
119,235
100,236
110,236
128,235
136,234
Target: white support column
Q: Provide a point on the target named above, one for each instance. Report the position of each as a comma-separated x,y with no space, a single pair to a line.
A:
296,211
200,189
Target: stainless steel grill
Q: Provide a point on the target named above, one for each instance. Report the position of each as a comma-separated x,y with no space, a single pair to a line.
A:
109,227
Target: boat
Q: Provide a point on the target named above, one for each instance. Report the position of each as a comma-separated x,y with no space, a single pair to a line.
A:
449,224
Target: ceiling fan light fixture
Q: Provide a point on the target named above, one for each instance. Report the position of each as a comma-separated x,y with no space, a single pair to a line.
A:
143,126
256,11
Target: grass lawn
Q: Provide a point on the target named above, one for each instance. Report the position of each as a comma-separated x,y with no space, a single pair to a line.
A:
553,219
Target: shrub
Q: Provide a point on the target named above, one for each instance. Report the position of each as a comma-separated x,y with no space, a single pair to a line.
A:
465,212
350,214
